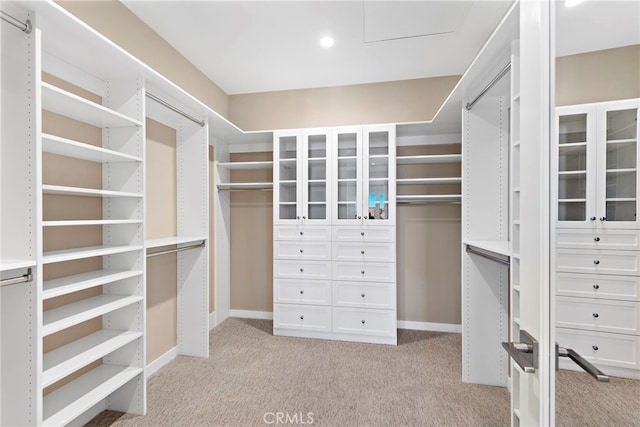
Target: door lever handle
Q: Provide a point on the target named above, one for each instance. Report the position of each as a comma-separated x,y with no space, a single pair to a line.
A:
524,353
582,362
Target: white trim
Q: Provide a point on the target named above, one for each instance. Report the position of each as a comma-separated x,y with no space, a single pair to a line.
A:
213,320
250,314
160,362
428,326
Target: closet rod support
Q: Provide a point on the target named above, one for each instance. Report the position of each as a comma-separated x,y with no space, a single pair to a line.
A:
175,109
25,278
495,80
22,26
171,251
488,256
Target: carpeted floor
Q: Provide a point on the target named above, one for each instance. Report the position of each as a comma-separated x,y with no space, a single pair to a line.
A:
252,377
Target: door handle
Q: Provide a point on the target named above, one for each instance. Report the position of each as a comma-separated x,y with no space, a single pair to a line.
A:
524,353
582,362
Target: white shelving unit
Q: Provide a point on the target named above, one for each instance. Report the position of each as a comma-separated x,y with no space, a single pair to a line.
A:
246,166
428,185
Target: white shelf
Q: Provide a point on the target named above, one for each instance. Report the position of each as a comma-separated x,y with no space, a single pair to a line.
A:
316,181
7,264
67,359
66,285
85,192
572,172
496,246
378,179
79,150
625,170
436,158
287,203
421,198
572,144
69,105
72,314
85,252
378,156
316,159
90,222
621,141
572,200
245,186
317,203
246,165
170,241
347,157
346,203
516,189
348,180
417,181
620,199
71,400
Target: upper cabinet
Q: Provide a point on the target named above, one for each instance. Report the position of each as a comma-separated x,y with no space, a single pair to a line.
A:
597,158
364,175
301,177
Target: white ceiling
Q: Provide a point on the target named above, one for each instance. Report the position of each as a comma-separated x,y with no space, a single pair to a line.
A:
258,46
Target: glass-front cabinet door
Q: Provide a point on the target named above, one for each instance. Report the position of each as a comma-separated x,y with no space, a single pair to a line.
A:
347,152
316,173
287,177
379,175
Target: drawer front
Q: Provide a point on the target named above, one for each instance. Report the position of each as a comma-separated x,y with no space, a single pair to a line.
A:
365,272
309,317
368,295
364,234
301,269
602,348
598,286
294,291
287,249
593,261
363,251
364,321
600,239
301,233
598,315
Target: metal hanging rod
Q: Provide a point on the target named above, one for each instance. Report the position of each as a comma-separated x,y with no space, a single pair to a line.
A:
25,278
489,256
172,108
170,251
495,80
22,26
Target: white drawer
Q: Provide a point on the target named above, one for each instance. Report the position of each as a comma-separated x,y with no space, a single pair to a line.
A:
602,348
598,286
364,271
364,234
302,269
600,239
302,291
369,295
364,321
302,233
288,249
364,251
598,315
309,317
595,261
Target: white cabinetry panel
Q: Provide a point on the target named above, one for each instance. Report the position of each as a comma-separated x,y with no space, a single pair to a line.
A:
296,291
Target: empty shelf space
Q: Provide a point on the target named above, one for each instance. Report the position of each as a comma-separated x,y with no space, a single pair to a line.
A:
7,264
436,158
71,400
85,252
85,192
245,185
246,165
79,150
67,359
176,240
66,285
428,198
75,107
72,314
417,181
90,222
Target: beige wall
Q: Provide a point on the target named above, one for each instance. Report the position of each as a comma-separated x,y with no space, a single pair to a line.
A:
604,75
120,25
390,102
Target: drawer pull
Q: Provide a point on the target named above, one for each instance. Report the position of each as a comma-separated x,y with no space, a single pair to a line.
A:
301,317
301,251
361,271
594,347
593,218
297,217
301,292
362,252
362,233
302,233
304,217
359,217
596,239
301,270
596,315
363,322
596,262
603,218
596,287
362,295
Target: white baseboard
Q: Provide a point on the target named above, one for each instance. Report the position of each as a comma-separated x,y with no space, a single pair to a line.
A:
428,326
155,366
250,314
213,320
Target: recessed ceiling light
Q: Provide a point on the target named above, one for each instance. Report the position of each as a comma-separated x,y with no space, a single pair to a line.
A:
326,41
571,3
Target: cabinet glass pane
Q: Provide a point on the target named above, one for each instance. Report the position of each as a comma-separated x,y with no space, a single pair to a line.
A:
347,211
621,210
288,170
572,129
317,169
347,168
621,155
621,182
622,125
572,158
378,199
317,192
347,145
572,186
347,191
288,147
288,193
317,211
379,167
317,146
378,143
287,211
571,211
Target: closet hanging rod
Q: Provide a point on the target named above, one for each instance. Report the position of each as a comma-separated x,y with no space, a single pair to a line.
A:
172,108
25,278
22,26
495,80
170,251
488,256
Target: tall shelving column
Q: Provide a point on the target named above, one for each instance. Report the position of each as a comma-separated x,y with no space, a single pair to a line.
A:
19,313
